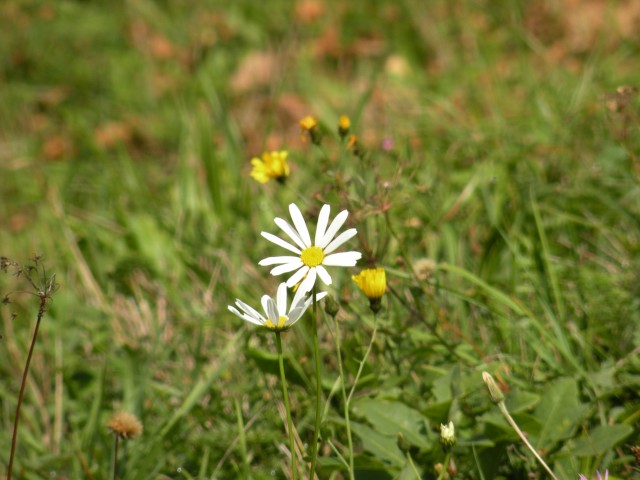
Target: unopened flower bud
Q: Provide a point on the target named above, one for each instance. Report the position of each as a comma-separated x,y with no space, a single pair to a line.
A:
309,124
402,442
344,124
447,435
495,393
331,306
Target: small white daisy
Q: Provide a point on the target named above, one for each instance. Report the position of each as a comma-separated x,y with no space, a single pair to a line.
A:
277,317
311,258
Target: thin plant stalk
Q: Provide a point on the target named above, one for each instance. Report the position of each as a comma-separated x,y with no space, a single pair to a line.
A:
285,394
445,466
346,403
364,359
115,455
413,467
514,425
316,354
347,400
242,439
25,373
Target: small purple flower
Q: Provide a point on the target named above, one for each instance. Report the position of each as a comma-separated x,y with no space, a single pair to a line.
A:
387,144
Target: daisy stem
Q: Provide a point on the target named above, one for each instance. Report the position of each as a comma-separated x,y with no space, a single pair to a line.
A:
316,354
346,403
285,394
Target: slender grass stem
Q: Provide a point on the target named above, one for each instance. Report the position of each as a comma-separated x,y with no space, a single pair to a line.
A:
514,425
285,394
25,373
335,450
242,439
316,354
445,466
115,456
364,359
413,467
346,403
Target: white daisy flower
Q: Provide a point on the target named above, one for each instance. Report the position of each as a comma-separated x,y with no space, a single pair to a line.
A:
277,318
311,258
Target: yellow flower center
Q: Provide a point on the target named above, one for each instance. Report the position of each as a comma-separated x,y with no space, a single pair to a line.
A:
312,256
281,321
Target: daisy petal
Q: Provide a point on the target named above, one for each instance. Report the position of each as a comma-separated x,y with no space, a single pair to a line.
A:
288,229
282,299
294,316
323,219
273,311
248,309
278,241
298,300
277,260
296,277
265,305
286,268
324,275
333,228
300,225
308,283
244,316
319,297
343,259
340,239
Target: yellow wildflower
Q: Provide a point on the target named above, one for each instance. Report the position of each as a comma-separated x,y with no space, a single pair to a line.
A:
309,124
373,283
344,124
273,165
354,145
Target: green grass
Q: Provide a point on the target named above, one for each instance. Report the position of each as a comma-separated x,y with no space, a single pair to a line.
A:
125,139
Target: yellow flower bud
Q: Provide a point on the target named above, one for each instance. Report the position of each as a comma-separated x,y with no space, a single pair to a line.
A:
344,124
373,283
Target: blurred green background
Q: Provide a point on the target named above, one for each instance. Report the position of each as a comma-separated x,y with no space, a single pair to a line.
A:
511,164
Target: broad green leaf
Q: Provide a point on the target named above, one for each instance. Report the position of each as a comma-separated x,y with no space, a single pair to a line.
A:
559,412
390,417
520,400
601,439
381,446
438,412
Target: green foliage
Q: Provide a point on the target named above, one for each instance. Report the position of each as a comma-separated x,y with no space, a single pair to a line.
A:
496,181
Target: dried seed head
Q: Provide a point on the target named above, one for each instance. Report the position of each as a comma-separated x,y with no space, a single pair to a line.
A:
424,268
125,425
